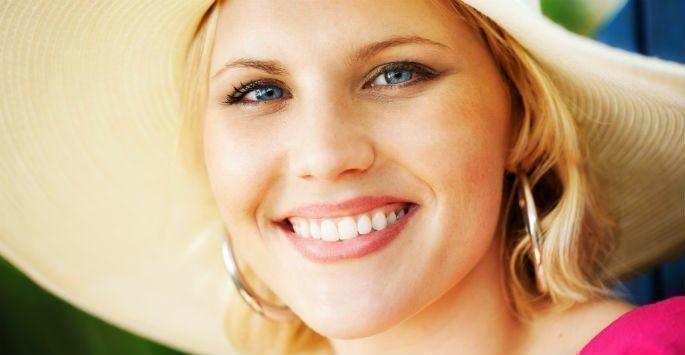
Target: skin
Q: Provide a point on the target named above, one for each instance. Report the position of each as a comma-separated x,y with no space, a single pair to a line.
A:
441,143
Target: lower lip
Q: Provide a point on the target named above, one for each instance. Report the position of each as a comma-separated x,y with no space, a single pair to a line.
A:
322,251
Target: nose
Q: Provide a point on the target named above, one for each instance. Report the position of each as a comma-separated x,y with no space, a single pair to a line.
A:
330,142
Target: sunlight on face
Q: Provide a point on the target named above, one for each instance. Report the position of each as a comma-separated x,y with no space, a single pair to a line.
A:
340,99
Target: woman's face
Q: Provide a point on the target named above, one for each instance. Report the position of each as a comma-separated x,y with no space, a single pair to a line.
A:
330,120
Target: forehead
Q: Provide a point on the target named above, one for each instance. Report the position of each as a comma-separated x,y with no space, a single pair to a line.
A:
299,31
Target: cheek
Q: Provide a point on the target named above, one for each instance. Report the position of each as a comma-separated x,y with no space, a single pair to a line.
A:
239,168
455,141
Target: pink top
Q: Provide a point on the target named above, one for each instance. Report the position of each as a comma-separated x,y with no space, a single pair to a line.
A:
656,328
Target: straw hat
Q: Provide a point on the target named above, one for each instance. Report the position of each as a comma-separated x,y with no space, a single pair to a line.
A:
96,207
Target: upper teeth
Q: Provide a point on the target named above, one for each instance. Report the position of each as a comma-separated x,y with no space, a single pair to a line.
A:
347,227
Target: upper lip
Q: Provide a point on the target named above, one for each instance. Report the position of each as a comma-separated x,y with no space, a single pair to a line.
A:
344,208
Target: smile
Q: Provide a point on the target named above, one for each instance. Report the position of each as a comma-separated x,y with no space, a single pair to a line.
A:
349,227
353,236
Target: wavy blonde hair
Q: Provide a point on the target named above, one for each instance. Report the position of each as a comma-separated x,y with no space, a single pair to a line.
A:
578,234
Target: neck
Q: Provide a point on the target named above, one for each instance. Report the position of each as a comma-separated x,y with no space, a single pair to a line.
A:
473,317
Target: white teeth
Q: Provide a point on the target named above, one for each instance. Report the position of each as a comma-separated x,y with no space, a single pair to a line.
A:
347,228
314,230
329,232
304,229
379,222
391,218
364,224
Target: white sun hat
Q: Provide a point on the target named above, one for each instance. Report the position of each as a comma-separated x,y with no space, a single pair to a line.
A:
96,206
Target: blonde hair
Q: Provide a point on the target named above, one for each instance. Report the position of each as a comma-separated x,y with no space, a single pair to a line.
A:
578,234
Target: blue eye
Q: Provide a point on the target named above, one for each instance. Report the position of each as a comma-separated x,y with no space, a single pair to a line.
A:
265,93
256,92
396,74
394,77
401,74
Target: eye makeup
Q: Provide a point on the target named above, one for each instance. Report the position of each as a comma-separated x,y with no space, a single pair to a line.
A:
419,72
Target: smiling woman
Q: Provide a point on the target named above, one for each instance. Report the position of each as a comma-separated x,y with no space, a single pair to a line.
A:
375,176
310,117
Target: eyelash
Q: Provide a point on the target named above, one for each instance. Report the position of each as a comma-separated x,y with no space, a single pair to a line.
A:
425,73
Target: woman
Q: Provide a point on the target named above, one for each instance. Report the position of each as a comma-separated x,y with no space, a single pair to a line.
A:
428,186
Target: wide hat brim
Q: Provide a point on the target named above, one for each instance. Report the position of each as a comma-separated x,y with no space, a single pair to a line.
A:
97,208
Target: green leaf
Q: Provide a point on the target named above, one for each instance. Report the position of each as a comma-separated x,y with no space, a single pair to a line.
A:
584,17
33,321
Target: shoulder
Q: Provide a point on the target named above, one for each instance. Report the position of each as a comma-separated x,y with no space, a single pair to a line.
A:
567,331
609,327
655,328
572,328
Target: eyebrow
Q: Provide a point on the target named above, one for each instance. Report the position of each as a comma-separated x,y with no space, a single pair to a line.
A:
364,53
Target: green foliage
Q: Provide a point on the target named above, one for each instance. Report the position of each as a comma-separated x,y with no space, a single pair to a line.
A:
33,321
572,14
584,17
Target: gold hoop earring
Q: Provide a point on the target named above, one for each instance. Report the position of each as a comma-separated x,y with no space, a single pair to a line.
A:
266,309
530,216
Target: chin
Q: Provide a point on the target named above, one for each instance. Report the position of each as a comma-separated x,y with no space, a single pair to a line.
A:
353,328
343,323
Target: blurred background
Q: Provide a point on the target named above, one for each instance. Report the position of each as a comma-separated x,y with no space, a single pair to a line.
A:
33,321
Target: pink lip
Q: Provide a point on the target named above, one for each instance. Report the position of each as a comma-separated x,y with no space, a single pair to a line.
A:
322,251
344,208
